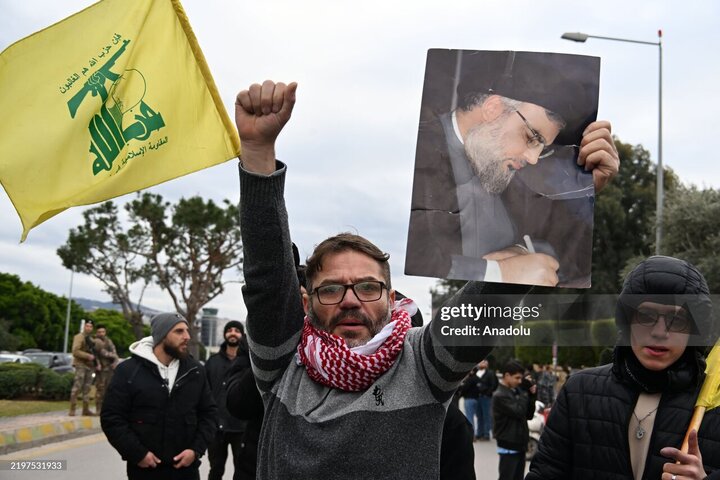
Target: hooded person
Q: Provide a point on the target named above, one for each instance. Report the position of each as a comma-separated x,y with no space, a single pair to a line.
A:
159,413
627,420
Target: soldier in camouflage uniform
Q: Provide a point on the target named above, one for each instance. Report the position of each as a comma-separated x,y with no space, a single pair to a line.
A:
84,362
105,348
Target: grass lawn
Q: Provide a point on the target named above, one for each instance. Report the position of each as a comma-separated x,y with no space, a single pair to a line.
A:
12,408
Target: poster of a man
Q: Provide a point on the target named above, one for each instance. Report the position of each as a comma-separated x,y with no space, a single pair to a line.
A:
498,194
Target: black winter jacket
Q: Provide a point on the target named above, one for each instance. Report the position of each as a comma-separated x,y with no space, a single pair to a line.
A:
473,387
139,415
470,386
488,383
510,412
586,436
218,368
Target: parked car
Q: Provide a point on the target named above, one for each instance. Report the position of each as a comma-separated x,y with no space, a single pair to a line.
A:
13,358
56,361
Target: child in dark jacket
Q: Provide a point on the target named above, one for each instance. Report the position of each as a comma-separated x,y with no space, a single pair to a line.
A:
513,404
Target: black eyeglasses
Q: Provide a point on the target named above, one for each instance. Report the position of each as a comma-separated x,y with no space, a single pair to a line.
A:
674,322
536,139
368,291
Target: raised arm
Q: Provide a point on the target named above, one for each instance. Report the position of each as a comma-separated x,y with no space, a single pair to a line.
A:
271,291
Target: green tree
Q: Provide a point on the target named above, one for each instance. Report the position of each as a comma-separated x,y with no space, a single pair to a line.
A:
8,341
34,318
189,246
185,248
691,230
625,217
102,249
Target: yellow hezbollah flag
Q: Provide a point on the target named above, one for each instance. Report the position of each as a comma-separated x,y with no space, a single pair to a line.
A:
709,396
111,100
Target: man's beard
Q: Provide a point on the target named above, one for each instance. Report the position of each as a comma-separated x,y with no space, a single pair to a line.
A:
232,341
484,147
373,327
174,352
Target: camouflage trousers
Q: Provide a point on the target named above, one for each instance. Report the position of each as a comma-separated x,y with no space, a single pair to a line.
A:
81,383
102,380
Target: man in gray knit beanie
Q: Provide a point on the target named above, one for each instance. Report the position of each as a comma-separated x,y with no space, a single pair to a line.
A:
162,323
159,413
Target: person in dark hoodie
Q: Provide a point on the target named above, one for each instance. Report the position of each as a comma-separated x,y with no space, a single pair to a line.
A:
158,412
627,420
231,430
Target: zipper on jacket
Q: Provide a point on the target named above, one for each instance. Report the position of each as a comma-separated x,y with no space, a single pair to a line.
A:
177,380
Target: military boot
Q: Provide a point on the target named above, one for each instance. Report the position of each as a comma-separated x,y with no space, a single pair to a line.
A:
86,411
73,406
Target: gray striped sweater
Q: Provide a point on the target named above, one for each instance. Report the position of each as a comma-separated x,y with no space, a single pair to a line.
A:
393,429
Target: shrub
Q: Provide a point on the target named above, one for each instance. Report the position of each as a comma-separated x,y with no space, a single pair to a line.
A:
30,380
53,386
18,380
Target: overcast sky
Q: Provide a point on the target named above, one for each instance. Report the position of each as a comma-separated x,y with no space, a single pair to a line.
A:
350,145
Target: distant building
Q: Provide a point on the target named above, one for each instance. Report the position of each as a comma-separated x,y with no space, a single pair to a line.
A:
208,327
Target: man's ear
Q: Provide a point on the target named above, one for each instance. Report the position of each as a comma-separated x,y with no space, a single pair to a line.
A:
391,298
305,299
492,108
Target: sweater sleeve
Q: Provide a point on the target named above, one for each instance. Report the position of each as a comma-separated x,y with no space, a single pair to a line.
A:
462,332
271,291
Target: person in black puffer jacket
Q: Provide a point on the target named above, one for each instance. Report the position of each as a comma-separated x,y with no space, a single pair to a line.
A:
625,420
159,413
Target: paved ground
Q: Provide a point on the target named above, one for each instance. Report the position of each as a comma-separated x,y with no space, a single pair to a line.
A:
26,432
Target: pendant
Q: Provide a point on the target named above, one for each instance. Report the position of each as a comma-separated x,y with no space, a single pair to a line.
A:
639,432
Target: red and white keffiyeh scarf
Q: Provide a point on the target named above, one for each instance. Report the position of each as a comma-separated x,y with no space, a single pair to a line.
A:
329,361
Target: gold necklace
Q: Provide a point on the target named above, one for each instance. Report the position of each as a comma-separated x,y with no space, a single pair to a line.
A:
639,430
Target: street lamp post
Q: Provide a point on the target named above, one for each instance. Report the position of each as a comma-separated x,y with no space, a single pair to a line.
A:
582,37
67,314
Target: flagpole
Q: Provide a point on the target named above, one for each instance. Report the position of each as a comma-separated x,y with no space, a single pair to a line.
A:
695,422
